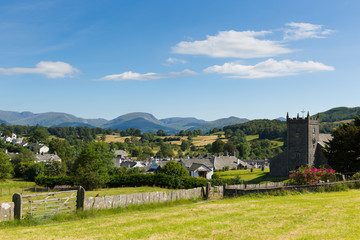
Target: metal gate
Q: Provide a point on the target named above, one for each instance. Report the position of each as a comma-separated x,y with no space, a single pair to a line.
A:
47,204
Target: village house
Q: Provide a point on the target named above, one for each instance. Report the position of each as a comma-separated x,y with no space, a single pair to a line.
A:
44,158
156,165
120,156
199,167
132,164
204,166
40,148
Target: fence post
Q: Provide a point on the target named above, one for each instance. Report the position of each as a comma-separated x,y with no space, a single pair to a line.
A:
17,199
224,189
208,187
80,198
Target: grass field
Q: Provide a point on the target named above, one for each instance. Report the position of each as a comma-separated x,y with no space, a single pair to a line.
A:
114,138
13,186
306,216
256,176
276,144
125,190
205,140
252,137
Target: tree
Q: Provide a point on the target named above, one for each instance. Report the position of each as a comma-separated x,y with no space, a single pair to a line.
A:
218,146
229,147
6,168
165,150
244,150
92,166
175,169
33,170
21,161
161,132
343,151
185,145
39,135
55,168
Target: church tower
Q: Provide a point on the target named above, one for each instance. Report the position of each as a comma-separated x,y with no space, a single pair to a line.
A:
302,141
302,138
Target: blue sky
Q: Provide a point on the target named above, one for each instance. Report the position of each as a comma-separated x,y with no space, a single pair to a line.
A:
203,59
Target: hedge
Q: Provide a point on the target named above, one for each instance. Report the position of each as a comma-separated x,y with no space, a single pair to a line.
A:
52,181
138,180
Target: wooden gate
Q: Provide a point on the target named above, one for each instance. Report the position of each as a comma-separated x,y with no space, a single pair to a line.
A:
47,204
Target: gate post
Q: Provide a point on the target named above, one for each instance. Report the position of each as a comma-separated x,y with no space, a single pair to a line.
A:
17,199
80,198
208,188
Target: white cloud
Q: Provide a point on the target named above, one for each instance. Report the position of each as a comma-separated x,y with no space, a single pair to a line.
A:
233,44
175,60
269,68
47,68
147,76
299,31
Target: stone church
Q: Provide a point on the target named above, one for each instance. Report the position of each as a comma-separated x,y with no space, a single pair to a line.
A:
304,146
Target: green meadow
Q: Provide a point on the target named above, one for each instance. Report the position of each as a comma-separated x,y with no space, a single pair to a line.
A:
256,176
333,215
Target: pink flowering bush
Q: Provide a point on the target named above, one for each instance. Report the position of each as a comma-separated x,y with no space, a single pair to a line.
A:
311,175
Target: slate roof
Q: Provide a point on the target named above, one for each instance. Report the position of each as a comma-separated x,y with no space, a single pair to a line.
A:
47,157
196,166
323,138
203,161
127,164
121,153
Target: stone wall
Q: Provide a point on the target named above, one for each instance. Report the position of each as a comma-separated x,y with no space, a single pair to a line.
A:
140,198
216,192
6,211
232,191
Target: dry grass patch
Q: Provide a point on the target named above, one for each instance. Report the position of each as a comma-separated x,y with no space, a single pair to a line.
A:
205,140
114,138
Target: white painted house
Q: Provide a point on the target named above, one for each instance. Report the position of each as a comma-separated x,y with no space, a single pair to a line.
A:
200,170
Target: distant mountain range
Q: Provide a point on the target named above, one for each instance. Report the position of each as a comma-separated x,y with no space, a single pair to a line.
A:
146,122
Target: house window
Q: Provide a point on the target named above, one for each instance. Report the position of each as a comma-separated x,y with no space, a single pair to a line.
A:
313,130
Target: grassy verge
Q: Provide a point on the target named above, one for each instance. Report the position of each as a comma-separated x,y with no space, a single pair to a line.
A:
304,216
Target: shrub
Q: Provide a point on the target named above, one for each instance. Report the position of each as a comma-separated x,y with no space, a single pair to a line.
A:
215,176
173,168
307,175
356,176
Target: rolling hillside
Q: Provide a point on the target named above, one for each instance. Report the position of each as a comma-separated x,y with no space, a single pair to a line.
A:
339,114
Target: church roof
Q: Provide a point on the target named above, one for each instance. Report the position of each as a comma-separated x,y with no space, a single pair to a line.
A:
324,138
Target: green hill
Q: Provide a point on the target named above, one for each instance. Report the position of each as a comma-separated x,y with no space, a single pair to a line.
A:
339,114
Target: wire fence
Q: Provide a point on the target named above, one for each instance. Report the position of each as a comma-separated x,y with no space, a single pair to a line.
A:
24,189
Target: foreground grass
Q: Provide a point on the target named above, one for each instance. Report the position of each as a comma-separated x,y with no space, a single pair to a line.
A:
306,216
